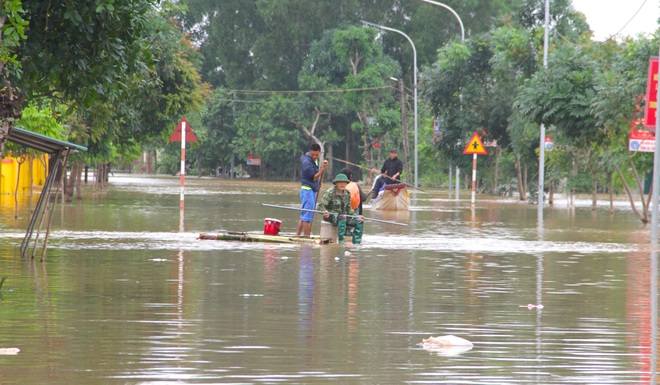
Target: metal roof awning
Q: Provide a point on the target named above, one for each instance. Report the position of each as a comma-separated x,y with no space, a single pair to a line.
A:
41,142
59,151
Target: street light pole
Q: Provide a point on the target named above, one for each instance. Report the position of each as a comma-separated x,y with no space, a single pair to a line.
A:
542,128
460,22
453,12
414,81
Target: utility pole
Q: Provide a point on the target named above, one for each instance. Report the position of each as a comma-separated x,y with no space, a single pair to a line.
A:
404,124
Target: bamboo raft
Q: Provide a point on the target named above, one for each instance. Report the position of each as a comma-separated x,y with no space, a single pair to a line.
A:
254,237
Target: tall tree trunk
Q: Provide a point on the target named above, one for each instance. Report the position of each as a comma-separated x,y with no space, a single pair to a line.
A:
31,173
521,188
640,187
81,169
594,190
524,181
498,154
610,184
74,175
98,177
643,218
64,181
20,161
330,170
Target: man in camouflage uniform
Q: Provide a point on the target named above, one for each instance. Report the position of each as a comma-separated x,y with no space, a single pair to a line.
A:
336,203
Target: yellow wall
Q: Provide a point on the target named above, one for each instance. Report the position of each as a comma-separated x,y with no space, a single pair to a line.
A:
9,173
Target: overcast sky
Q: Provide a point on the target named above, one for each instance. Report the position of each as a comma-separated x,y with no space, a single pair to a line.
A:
607,17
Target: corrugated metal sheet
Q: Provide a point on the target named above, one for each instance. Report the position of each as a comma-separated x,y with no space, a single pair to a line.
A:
41,142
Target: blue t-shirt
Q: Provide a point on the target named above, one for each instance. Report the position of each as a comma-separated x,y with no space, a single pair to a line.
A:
309,169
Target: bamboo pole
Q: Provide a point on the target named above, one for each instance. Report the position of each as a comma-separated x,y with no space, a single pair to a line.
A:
323,212
385,175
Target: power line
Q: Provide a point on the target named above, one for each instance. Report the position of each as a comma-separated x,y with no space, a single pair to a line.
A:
258,92
628,22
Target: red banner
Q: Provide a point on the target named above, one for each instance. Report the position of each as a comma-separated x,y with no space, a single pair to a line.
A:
650,109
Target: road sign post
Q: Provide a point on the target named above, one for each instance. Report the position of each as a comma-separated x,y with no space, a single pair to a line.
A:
474,147
183,133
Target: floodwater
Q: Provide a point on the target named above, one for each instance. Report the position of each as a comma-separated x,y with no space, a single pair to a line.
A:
128,295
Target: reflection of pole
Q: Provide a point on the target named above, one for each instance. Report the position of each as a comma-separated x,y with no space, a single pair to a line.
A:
179,303
414,81
654,315
539,301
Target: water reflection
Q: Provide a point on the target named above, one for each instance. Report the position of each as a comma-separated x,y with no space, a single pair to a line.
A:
128,296
305,296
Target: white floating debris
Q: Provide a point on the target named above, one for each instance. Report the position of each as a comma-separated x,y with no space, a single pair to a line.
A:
9,351
347,253
448,340
446,345
532,306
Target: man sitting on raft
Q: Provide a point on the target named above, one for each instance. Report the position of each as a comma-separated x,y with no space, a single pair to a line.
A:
336,204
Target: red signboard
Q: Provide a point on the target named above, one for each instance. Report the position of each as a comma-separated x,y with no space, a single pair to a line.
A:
650,110
190,135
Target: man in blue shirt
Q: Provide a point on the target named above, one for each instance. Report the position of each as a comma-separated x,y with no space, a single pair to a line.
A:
310,176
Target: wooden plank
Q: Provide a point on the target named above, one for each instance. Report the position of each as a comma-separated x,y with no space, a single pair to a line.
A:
252,237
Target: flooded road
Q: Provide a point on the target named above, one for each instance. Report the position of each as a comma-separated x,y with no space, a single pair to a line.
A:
128,295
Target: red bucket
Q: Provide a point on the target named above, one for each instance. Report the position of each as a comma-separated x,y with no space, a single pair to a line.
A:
272,226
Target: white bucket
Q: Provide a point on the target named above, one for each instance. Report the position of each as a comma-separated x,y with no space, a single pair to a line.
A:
328,231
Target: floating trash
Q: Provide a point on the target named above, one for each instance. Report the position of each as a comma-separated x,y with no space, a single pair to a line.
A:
448,345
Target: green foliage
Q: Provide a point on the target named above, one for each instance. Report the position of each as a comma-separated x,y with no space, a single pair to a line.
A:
169,161
81,68
41,120
562,94
12,30
218,117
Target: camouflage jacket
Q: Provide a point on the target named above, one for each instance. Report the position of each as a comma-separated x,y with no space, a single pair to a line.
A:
335,203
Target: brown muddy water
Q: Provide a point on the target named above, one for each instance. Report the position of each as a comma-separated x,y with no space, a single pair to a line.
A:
128,295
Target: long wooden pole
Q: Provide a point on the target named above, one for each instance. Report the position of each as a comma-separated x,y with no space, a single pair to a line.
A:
366,168
316,200
323,212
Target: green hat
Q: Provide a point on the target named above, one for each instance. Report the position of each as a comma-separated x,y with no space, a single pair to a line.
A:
340,178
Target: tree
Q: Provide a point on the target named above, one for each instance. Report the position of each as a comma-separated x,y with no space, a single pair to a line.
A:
473,86
368,68
620,86
12,32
